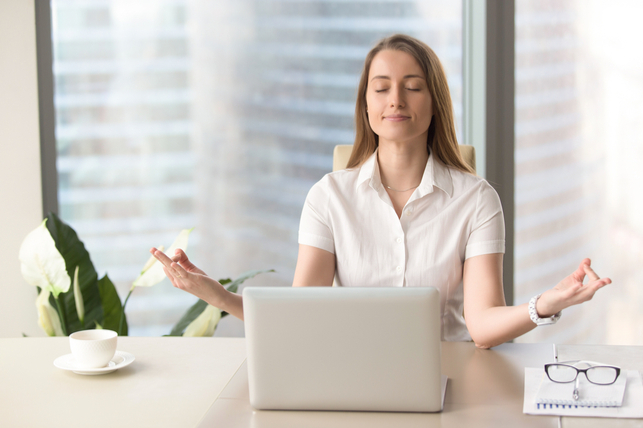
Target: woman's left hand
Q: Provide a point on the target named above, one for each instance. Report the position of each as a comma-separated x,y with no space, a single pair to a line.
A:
571,290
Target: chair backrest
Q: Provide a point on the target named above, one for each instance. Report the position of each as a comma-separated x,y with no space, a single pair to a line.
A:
342,153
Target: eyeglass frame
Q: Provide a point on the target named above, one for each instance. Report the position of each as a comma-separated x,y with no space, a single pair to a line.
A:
592,365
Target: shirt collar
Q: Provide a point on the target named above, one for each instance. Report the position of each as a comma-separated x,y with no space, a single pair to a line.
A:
367,171
435,174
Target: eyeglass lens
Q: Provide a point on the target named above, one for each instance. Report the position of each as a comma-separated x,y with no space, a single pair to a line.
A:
561,373
599,375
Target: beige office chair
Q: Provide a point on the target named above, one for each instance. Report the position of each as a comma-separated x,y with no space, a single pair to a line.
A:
342,153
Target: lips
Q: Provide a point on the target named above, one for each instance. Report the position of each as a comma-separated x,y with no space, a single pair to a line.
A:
396,118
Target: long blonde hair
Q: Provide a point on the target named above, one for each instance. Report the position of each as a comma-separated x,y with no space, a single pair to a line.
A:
441,141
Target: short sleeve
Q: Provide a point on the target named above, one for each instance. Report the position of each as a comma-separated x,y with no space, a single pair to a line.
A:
314,227
488,232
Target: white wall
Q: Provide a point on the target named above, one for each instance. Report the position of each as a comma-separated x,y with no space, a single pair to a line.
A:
20,191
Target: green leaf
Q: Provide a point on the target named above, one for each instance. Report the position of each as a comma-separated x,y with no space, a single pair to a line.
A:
192,313
73,251
112,307
234,285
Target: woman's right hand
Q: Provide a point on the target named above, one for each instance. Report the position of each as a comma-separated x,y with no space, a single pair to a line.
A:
186,276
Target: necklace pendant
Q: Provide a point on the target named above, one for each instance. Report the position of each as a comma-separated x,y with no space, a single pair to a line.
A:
401,191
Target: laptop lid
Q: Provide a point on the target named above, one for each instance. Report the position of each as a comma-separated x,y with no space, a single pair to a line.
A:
329,348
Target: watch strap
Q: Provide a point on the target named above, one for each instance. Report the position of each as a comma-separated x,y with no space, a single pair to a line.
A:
533,314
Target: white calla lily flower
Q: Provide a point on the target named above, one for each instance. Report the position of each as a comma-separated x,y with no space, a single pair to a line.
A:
204,324
151,260
78,297
41,263
47,316
152,272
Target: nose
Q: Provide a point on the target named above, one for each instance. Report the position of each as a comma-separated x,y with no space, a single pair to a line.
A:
396,97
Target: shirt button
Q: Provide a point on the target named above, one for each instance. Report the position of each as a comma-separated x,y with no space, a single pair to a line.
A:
409,211
399,268
399,240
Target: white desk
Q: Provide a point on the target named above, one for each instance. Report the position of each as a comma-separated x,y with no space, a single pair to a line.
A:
171,383
486,389
175,382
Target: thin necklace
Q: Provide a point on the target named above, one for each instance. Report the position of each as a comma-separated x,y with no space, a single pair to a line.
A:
395,190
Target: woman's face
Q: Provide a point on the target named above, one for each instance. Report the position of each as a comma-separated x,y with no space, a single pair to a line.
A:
397,98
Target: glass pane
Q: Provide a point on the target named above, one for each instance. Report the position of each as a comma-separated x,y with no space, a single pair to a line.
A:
579,92
561,373
602,375
215,115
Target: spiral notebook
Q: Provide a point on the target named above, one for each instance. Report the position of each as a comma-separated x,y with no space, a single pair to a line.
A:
551,393
623,399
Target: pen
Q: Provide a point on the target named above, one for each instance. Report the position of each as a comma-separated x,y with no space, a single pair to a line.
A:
555,353
560,420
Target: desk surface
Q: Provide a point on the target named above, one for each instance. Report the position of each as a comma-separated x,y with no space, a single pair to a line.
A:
486,389
171,383
175,382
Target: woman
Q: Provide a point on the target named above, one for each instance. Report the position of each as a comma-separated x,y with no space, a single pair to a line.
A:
408,211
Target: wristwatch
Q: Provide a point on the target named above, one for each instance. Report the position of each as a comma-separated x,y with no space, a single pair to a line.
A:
533,314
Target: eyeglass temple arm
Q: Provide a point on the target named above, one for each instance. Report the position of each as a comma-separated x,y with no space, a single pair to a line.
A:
590,363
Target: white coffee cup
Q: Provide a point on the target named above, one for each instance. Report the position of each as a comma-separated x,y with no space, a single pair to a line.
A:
93,348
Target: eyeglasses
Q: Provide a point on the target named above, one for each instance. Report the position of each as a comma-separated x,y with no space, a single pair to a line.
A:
596,373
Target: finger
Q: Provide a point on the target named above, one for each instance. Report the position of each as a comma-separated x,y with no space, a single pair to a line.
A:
161,257
598,284
172,278
579,274
589,290
590,273
182,273
169,274
182,259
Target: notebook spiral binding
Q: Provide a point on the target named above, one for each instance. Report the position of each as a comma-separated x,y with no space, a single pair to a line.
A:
565,405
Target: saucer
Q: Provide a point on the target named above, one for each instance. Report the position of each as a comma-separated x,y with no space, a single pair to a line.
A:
119,360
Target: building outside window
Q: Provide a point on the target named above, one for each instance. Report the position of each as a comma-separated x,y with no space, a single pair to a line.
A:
215,115
221,115
579,86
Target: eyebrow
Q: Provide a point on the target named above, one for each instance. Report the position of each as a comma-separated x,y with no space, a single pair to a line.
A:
408,76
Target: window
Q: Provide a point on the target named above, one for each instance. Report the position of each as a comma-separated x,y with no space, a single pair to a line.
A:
217,115
578,154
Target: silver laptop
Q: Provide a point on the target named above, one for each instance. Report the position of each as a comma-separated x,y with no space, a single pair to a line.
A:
330,348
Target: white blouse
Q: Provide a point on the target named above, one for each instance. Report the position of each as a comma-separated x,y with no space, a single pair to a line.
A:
450,217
